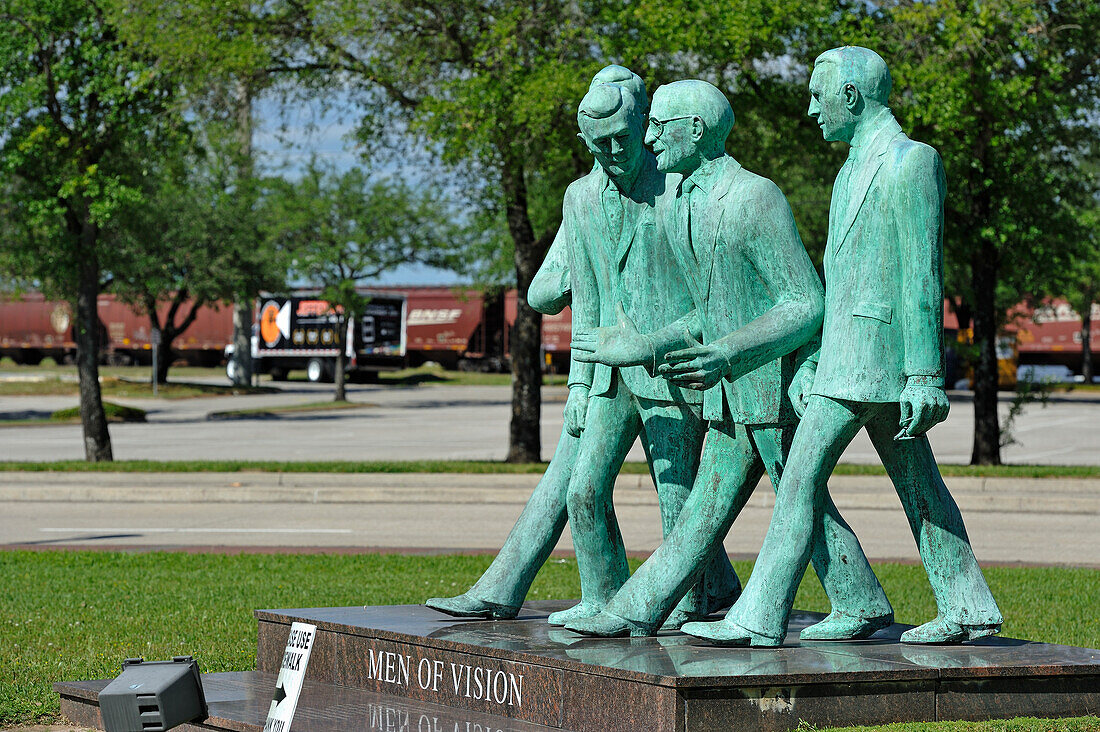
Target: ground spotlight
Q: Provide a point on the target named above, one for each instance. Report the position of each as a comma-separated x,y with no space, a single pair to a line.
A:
153,696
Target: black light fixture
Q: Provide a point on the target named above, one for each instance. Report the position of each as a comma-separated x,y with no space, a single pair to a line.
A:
153,696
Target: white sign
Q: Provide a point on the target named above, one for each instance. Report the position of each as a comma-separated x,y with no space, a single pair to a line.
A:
292,673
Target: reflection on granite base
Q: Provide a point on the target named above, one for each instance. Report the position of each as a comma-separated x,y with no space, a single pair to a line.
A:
411,669
239,702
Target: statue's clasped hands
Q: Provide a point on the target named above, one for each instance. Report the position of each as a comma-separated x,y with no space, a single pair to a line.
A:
697,366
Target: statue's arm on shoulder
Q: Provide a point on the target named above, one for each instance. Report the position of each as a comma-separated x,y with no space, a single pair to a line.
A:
919,195
551,291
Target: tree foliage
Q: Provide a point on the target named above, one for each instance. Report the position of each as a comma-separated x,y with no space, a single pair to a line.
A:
82,114
194,241
336,230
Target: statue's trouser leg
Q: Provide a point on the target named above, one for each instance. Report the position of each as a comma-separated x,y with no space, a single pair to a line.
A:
836,554
534,535
728,472
825,430
611,426
961,592
839,560
672,435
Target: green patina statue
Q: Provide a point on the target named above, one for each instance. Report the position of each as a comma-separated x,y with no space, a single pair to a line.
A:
620,270
880,365
756,301
606,254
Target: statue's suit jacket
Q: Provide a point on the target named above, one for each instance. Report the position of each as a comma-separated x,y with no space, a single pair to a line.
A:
884,272
633,269
754,277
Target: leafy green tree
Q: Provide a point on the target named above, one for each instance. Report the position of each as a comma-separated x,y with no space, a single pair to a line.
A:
1085,290
80,112
1007,92
337,230
193,241
490,86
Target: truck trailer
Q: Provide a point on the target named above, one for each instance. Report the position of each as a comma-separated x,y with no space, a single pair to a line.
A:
303,332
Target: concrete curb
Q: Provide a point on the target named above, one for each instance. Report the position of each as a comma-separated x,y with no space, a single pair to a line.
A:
1004,495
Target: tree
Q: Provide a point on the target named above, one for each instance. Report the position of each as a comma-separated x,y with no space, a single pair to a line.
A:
193,241
491,86
337,230
1085,291
1007,93
80,112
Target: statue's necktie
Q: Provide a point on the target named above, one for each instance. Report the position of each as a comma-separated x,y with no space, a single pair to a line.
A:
613,209
686,188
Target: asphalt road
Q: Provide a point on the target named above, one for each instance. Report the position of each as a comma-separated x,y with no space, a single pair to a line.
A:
453,422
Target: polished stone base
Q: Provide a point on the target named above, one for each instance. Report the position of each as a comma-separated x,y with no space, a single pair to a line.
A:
434,673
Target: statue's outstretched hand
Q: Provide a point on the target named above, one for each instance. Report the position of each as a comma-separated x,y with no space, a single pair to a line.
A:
621,345
922,407
697,366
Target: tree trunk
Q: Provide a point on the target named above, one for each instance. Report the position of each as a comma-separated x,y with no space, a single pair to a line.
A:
339,377
242,308
987,429
1086,339
164,358
97,440
242,342
525,441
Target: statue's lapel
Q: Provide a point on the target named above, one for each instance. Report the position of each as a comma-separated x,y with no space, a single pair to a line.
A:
723,184
598,234
679,241
637,213
863,178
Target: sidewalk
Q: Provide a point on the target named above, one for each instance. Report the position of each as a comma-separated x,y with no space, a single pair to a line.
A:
1005,495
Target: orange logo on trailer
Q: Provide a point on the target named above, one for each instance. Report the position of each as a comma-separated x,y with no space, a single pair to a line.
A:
269,327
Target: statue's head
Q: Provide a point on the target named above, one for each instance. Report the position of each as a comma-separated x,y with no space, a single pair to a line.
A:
689,122
612,126
846,84
628,80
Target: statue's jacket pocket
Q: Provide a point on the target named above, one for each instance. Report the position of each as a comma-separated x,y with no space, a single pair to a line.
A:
874,310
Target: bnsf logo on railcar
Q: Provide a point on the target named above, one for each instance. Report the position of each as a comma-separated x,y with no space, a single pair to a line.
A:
434,316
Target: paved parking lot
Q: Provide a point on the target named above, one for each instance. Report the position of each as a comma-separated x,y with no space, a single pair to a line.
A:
454,422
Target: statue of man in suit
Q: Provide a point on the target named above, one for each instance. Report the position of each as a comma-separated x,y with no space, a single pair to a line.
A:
880,365
621,186
756,301
620,270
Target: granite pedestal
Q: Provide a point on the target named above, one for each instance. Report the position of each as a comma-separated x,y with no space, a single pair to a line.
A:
410,668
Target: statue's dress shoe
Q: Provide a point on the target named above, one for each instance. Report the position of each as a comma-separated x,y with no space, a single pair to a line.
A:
607,625
943,631
465,606
678,617
840,627
578,611
728,633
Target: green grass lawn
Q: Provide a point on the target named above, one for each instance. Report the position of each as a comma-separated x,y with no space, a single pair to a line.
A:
470,466
77,615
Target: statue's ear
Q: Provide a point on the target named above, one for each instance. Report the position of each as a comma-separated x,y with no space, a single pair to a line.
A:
851,96
697,129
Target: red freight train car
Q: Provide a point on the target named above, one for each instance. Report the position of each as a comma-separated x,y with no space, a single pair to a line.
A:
33,328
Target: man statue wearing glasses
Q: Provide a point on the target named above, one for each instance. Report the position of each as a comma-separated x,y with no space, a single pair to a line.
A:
758,306
607,261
